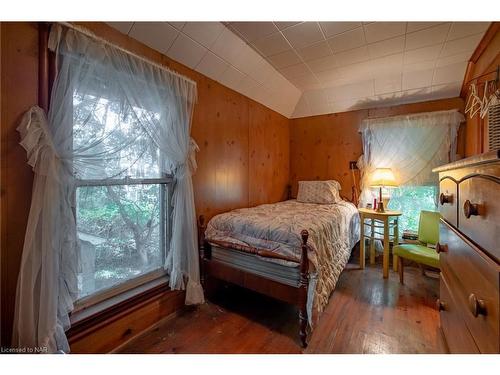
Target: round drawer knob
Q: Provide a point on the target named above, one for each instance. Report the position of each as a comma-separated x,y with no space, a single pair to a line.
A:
445,198
440,305
441,248
477,306
470,209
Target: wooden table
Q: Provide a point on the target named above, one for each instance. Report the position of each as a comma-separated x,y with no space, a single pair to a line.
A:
378,220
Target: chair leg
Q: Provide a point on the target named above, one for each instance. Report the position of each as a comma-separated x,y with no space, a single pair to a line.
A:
400,269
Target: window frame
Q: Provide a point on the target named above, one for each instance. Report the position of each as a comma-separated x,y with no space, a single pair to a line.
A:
86,317
166,189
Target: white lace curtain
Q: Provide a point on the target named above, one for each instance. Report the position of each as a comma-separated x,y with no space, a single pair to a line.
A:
152,109
412,145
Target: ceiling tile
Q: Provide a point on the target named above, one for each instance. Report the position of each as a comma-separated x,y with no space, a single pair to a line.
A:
427,37
157,35
272,44
284,25
212,66
304,81
348,40
123,27
452,59
329,76
303,34
231,78
416,26
449,73
355,90
302,108
334,28
388,83
249,87
322,64
316,97
417,79
205,33
315,51
387,47
262,71
423,65
357,72
186,51
177,25
387,64
467,44
430,53
228,46
463,29
254,30
284,59
377,31
352,56
295,70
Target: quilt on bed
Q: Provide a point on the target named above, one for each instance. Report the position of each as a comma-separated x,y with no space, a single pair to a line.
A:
333,231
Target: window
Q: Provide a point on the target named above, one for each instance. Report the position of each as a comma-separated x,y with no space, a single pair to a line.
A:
123,221
410,200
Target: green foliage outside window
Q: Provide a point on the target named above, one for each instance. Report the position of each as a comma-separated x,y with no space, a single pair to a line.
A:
410,200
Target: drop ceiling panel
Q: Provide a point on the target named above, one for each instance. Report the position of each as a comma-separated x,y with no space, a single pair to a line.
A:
307,68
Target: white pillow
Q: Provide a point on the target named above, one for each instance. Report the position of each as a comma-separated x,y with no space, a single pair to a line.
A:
321,192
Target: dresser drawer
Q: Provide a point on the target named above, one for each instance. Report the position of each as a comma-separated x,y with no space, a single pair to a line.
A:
479,211
457,335
474,280
448,200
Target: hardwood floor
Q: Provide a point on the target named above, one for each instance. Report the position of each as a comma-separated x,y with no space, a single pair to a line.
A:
366,314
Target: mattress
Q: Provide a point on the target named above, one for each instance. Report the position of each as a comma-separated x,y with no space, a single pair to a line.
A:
333,231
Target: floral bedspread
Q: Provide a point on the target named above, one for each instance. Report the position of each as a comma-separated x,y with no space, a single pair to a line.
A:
333,231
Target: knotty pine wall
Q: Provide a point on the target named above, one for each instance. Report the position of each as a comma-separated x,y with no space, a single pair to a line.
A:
322,146
243,158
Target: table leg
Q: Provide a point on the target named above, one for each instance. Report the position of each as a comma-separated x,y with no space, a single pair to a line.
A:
395,243
386,248
362,243
372,242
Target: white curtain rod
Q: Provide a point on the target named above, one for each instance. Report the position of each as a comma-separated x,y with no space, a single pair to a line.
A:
90,34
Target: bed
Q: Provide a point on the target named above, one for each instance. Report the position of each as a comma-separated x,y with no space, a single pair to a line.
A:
290,250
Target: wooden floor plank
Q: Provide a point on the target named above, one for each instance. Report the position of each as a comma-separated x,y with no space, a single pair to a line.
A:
366,314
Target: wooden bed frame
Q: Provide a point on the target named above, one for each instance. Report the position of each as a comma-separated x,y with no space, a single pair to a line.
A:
287,293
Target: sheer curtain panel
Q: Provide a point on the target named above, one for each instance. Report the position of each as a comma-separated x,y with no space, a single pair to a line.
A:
410,145
112,116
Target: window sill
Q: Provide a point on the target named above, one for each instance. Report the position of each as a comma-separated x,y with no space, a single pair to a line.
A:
93,317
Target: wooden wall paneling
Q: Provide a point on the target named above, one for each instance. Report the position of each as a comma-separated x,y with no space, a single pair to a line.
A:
231,164
205,135
269,158
19,44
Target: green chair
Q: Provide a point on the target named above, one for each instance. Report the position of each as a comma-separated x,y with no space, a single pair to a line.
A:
428,233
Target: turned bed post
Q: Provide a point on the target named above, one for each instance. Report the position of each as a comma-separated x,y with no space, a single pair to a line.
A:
303,284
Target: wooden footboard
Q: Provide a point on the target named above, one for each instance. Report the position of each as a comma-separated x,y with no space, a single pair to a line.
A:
290,294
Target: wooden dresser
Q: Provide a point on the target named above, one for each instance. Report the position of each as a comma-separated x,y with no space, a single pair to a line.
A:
469,247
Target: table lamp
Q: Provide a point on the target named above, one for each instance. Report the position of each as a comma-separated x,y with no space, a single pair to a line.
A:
382,177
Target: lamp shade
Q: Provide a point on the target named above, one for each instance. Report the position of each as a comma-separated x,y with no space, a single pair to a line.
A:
383,177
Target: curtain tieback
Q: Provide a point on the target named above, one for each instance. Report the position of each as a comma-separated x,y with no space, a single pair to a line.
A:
189,166
37,140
